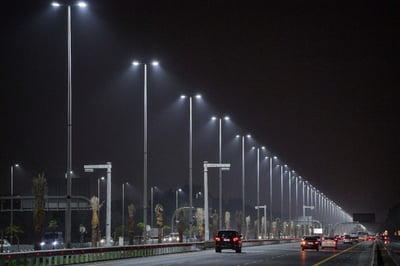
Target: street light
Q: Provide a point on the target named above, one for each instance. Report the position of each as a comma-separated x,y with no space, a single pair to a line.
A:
177,198
270,185
197,96
258,188
137,63
243,179
304,214
80,4
226,118
12,201
107,166
265,217
123,210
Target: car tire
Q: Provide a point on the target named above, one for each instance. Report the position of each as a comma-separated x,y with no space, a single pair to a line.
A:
239,250
218,250
317,249
302,249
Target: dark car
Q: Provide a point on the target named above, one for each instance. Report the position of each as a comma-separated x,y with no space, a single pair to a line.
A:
52,240
309,242
228,239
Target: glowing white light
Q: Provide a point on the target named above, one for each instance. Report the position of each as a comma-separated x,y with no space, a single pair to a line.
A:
183,96
135,63
82,4
198,96
55,4
226,118
213,118
155,63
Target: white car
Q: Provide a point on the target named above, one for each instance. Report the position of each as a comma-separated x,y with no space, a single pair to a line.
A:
5,245
173,237
329,242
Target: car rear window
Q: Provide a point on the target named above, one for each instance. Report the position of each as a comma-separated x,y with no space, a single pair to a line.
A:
227,233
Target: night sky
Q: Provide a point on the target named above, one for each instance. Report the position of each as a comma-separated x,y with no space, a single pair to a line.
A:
316,83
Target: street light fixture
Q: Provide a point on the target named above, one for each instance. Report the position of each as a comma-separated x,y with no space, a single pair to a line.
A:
137,63
80,4
226,118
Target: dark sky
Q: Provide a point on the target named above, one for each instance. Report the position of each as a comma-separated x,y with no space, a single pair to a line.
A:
315,82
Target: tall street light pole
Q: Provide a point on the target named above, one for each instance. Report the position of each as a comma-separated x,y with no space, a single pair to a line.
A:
270,187
243,181
197,96
258,189
220,170
136,63
69,127
12,201
123,210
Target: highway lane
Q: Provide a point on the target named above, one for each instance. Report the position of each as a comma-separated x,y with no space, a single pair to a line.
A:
279,254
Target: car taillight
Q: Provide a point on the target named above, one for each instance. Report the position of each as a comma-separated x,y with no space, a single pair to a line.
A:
303,242
316,242
217,238
235,239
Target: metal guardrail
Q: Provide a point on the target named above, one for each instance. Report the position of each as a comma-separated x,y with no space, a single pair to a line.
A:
84,255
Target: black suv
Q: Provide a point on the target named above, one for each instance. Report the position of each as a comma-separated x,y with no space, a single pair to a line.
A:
228,239
310,242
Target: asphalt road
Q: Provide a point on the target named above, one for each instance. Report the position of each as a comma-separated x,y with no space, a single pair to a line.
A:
280,254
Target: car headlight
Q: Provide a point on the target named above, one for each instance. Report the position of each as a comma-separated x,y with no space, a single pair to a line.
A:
55,243
42,244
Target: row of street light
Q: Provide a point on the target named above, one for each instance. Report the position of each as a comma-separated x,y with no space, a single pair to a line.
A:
82,4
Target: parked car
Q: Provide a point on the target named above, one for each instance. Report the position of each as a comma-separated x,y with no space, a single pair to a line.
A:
329,242
309,242
52,240
5,246
228,239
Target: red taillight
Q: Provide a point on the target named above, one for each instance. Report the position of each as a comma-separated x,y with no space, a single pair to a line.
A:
316,242
235,239
217,238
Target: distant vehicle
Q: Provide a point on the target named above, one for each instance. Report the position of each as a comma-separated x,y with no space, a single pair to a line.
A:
52,240
371,237
5,246
228,239
172,237
319,238
347,239
329,242
310,242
